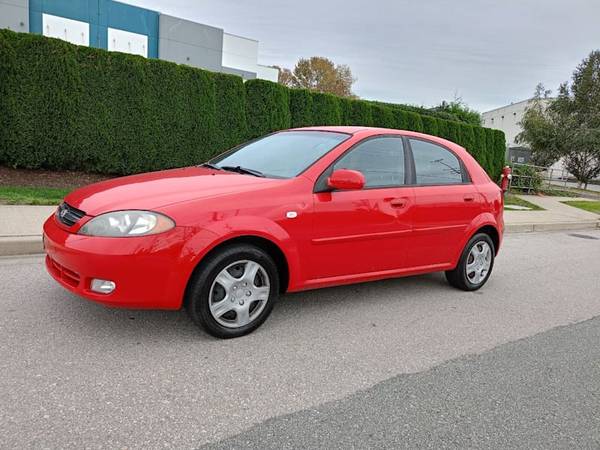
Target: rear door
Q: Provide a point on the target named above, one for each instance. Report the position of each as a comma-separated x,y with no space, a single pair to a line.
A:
446,202
363,231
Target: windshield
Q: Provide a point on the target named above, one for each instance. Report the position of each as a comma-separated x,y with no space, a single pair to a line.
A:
281,155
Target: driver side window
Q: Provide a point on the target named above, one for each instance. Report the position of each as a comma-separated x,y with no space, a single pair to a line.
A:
380,160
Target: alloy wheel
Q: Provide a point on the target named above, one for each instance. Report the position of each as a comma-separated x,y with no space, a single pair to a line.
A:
478,262
239,293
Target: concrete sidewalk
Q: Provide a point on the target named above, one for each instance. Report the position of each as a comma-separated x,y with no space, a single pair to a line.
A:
21,226
557,216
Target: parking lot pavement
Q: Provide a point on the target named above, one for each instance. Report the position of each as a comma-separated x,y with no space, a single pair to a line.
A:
74,374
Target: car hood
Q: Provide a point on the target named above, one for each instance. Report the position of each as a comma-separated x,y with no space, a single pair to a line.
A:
153,190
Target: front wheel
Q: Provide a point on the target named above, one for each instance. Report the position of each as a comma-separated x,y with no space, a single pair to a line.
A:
475,264
233,292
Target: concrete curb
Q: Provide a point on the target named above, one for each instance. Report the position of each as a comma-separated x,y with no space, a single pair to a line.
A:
552,226
32,244
21,245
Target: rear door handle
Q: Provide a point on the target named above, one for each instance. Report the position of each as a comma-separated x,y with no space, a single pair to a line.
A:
469,198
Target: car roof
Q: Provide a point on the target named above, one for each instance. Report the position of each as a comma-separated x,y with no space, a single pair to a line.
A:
336,129
372,131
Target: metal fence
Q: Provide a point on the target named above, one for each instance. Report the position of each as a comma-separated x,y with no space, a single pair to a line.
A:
529,178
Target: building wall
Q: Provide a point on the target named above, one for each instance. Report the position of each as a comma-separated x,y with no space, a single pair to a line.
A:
267,73
116,26
185,42
101,15
240,53
506,119
14,15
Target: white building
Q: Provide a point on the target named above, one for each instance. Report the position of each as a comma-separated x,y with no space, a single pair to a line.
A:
507,119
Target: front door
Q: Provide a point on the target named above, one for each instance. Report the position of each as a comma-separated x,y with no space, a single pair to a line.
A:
363,231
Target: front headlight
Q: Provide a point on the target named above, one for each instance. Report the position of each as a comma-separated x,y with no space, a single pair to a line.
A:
127,224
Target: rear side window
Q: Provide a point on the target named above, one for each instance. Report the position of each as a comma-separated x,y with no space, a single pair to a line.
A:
380,160
435,164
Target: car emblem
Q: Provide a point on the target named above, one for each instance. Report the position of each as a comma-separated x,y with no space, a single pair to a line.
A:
62,213
291,214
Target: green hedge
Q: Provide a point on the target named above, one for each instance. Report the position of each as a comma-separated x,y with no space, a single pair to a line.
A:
326,109
230,113
69,107
301,108
267,107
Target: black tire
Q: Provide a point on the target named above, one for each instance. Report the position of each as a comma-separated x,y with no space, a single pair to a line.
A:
458,276
199,287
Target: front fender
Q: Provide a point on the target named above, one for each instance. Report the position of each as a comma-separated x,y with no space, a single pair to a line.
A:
201,240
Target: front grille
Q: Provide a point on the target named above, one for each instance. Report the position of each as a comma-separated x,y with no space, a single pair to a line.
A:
68,215
62,273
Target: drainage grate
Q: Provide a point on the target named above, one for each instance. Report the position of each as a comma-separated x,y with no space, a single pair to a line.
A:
583,236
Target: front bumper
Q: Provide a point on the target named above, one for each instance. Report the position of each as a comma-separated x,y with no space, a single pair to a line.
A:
148,270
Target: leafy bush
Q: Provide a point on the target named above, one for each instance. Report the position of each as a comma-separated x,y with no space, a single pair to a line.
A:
383,116
467,138
487,161
401,117
301,108
414,122
69,107
360,113
526,178
346,111
430,125
267,107
498,156
326,109
453,131
231,127
480,150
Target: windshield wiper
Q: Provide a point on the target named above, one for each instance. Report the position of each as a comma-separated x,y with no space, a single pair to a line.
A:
210,166
244,170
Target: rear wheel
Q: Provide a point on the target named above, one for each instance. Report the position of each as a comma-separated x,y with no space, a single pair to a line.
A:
475,264
233,292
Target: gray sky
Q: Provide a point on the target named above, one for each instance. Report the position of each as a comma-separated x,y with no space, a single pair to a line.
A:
489,52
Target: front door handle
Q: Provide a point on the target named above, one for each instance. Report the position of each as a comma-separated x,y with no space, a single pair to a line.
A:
469,198
398,202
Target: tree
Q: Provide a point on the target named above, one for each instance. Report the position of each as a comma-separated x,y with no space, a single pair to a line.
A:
321,75
568,127
460,110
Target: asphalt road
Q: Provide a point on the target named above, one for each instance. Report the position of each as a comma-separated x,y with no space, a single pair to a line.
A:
365,365
537,393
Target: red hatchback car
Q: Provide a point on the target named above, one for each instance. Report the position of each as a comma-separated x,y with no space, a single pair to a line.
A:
297,209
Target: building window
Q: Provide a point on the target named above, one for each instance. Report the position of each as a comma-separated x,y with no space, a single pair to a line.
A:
73,31
127,42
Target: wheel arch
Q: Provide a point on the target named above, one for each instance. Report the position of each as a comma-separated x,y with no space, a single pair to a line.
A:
492,232
265,244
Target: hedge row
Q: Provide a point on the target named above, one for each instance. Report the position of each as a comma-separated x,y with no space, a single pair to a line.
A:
69,107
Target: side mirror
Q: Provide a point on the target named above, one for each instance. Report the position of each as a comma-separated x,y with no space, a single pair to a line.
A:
505,178
346,179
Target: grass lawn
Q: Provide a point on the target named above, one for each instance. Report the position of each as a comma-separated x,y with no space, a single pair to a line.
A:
510,199
588,205
12,195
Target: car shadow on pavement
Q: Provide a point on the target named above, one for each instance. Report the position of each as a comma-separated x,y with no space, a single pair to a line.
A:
296,308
